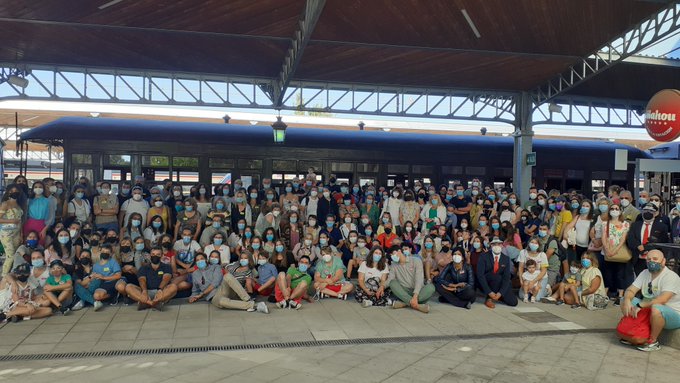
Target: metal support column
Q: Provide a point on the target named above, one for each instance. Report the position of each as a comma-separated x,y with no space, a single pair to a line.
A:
523,134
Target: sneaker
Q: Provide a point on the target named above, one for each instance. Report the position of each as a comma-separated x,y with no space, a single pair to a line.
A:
64,310
533,299
282,304
3,317
98,305
342,297
160,306
468,305
399,305
127,301
617,301
389,302
262,307
294,305
548,300
78,306
548,290
575,306
366,303
424,308
16,318
625,342
647,347
559,302
115,300
142,306
526,299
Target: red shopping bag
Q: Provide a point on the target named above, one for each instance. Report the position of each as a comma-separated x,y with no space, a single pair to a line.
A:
635,330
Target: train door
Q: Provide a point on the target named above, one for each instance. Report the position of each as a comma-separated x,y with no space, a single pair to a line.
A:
397,174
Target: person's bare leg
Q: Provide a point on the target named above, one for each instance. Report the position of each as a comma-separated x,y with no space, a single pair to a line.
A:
52,299
120,287
561,291
574,292
346,288
165,294
100,295
569,298
350,265
657,323
299,291
249,286
135,293
281,282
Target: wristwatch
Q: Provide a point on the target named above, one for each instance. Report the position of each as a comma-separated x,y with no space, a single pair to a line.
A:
638,305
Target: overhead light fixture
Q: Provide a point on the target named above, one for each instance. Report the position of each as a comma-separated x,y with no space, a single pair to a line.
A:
554,108
226,118
611,139
386,129
505,134
94,114
279,129
109,4
361,125
15,80
253,122
471,23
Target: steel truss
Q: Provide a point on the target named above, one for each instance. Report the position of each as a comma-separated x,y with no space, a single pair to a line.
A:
588,111
643,35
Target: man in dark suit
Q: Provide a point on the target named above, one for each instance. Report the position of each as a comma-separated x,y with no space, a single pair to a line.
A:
493,275
644,233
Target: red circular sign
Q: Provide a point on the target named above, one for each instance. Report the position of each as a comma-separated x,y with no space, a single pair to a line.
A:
662,117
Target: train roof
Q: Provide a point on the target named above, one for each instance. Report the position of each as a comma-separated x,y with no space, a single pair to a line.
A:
113,129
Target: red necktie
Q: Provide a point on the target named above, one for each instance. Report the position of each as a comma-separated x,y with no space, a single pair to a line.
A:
645,236
495,265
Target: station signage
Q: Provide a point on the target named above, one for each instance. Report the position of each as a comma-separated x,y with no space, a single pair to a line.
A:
662,116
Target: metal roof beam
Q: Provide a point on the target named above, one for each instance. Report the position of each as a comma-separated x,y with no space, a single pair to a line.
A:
303,34
643,35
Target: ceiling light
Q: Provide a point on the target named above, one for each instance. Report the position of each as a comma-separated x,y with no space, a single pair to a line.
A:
110,3
94,114
386,129
470,23
21,82
554,108
253,122
279,128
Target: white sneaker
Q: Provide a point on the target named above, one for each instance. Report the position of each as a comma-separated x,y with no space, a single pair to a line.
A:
78,306
294,305
366,303
282,304
526,299
262,307
98,305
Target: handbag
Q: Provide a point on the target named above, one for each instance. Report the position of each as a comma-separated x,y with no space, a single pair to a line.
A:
571,235
623,255
635,330
595,302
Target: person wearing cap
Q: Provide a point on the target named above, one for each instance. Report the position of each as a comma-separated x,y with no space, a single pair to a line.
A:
136,204
24,292
59,287
406,281
494,274
644,233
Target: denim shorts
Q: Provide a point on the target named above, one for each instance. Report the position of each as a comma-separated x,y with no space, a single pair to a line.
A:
670,316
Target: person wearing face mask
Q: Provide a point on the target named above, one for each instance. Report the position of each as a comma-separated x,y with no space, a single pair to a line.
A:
233,292
105,274
411,235
630,212
577,234
348,211
476,250
205,279
406,281
456,282
189,218
136,204
218,244
266,276
433,214
614,237
334,234
154,231
562,217
23,299
10,226
644,233
371,211
216,226
105,207
134,228
124,192
660,290
410,209
38,212
291,286
329,276
534,252
372,289
237,237
675,217
155,287
288,197
494,274
240,210
310,202
393,206
158,209
61,250
326,204
79,206
186,249
266,188
132,257
387,236
533,198
656,200
270,217
220,208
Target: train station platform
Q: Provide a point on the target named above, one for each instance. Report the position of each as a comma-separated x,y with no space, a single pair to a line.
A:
329,339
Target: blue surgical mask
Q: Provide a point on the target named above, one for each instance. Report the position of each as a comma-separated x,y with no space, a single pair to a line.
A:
533,246
344,190
241,226
347,202
586,263
253,195
279,248
270,196
603,208
186,239
243,262
32,243
377,257
248,234
355,190
38,262
293,219
654,267
476,245
80,195
270,237
216,225
219,206
492,197
435,202
215,261
201,264
179,208
323,241
239,199
574,205
136,222
189,208
157,225
551,206
256,246
303,267
512,201
542,233
459,193
368,232
63,240
449,197
482,223
428,245
217,241
289,189
261,262
330,224
139,246
395,258
495,225
584,210
642,200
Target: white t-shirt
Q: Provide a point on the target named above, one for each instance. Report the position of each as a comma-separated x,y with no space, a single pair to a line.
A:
225,253
372,272
131,206
666,281
540,258
527,276
310,205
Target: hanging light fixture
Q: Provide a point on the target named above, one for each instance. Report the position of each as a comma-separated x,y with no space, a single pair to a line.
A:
279,129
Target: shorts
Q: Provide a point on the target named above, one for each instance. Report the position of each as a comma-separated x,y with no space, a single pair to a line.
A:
152,293
264,293
670,316
109,286
334,288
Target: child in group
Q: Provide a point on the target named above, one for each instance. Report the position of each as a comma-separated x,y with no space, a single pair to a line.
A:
530,282
59,287
22,304
358,256
571,282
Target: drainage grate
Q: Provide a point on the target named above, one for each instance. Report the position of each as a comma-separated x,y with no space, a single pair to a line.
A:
304,344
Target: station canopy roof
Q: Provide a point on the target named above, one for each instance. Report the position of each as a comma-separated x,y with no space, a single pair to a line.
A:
522,43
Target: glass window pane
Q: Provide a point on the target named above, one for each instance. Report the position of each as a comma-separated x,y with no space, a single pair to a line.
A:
112,174
184,162
184,176
422,169
155,161
367,168
79,172
220,178
577,174
452,169
250,164
81,159
397,168
600,175
341,167
475,170
221,163
284,165
366,181
117,160
303,166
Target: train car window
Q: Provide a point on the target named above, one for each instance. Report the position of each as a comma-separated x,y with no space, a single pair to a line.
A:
250,179
366,181
284,165
475,170
185,162
397,168
303,166
117,167
619,176
599,175
117,160
452,169
598,186
369,168
81,159
221,163
576,174
422,169
83,172
341,167
182,176
250,164
220,178
156,161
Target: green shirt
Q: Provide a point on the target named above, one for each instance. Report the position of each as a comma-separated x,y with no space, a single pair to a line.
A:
329,270
52,281
297,276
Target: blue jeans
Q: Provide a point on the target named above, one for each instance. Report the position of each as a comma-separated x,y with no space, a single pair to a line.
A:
86,294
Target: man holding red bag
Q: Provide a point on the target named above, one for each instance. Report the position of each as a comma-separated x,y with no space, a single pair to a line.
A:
660,288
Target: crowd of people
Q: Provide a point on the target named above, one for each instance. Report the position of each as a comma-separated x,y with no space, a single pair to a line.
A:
306,240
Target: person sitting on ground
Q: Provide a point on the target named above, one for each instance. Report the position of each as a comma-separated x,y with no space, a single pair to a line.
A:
571,283
22,304
231,293
291,287
493,275
456,283
206,278
358,256
266,276
154,288
372,283
185,248
59,287
660,289
530,281
406,280
329,278
106,272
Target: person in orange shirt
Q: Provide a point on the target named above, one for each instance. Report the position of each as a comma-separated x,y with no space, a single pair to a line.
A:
385,238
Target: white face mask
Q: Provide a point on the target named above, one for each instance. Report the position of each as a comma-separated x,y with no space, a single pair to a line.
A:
314,193
496,249
353,239
158,203
625,202
395,194
615,213
308,242
348,219
532,195
327,258
457,258
276,213
177,193
409,229
463,226
326,194
137,197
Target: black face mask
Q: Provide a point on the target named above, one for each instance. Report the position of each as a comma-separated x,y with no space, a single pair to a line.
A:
87,231
647,215
22,278
106,256
388,231
14,195
332,180
85,261
111,239
94,242
166,245
155,259
125,249
445,249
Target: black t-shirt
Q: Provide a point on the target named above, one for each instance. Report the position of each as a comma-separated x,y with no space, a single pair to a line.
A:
154,277
460,203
